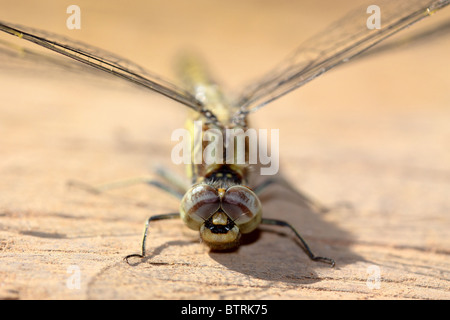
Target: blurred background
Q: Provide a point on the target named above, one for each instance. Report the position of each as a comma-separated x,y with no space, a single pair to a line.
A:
350,112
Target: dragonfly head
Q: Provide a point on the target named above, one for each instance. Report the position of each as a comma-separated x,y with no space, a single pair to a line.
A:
221,215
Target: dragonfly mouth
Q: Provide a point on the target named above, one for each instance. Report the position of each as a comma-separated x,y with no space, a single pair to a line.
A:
219,228
219,232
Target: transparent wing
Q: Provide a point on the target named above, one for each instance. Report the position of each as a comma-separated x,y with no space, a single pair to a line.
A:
110,63
335,45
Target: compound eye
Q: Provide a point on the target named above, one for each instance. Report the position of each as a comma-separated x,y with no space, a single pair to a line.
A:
200,202
241,204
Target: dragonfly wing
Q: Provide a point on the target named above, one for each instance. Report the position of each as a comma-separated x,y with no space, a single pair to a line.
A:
108,62
340,42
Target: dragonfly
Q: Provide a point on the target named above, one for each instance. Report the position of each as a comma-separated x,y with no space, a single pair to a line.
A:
219,203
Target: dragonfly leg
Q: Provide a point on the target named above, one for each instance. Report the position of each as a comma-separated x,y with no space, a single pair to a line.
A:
125,183
172,178
305,246
147,224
